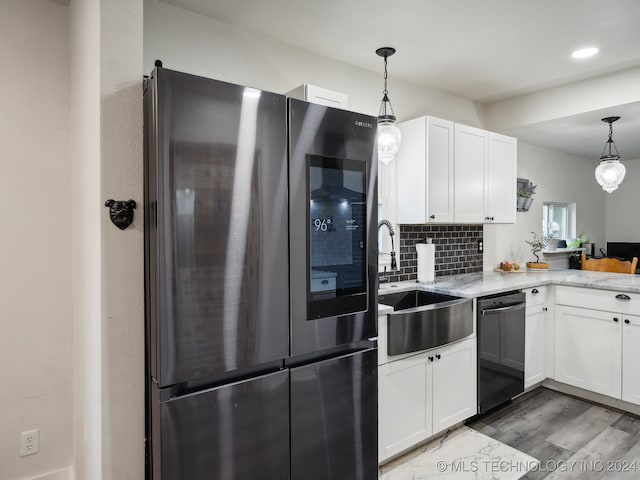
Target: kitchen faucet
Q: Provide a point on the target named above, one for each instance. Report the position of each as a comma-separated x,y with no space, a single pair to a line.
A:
387,223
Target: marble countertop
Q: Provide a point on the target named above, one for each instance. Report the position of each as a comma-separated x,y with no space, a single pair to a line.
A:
478,284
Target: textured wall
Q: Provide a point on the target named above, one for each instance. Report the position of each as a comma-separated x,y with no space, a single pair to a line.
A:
35,258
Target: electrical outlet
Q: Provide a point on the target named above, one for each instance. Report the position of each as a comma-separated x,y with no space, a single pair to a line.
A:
29,442
480,246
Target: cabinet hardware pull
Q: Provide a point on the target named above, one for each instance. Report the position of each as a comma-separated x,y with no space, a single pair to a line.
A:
615,319
431,359
517,306
535,291
432,217
622,296
626,320
438,356
544,309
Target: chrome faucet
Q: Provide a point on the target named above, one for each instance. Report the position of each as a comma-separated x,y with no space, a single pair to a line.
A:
387,224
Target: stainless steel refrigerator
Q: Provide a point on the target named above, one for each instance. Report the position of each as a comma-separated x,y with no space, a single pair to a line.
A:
261,278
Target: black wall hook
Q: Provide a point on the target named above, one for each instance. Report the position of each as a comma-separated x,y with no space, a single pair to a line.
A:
121,212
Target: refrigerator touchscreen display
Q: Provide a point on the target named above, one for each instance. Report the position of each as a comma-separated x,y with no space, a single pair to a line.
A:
337,277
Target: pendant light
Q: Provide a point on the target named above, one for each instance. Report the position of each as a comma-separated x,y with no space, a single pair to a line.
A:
389,135
610,172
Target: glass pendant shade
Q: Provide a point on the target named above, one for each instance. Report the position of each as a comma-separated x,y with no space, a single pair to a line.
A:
389,138
610,174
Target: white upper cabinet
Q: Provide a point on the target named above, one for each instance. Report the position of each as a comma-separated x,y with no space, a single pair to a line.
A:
452,173
471,150
500,179
424,171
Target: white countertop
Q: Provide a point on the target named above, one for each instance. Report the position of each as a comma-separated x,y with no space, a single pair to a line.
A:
478,284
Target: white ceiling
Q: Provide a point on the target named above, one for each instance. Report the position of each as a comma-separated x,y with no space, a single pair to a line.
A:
484,50
586,135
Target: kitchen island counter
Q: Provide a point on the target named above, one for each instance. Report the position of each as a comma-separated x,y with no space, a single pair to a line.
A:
479,284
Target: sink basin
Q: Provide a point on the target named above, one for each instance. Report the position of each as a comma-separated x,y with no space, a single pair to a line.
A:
412,299
423,320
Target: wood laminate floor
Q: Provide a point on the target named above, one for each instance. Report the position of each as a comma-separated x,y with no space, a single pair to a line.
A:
572,438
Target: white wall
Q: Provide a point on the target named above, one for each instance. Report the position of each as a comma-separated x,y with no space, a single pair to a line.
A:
197,44
35,258
200,45
122,252
560,177
108,269
622,206
87,211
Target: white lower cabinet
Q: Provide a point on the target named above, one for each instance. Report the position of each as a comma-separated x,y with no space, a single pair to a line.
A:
539,335
631,359
424,394
597,345
404,411
454,389
589,349
535,345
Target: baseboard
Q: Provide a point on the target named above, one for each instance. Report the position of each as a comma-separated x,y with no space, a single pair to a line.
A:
64,474
592,396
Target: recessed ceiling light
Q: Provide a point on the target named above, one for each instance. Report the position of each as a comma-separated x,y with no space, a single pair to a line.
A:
585,52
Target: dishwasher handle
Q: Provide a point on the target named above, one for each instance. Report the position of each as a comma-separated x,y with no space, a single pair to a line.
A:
510,308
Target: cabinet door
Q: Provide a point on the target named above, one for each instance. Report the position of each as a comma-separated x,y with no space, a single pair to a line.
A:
500,179
535,346
631,359
411,173
588,351
454,384
424,171
404,415
439,170
470,153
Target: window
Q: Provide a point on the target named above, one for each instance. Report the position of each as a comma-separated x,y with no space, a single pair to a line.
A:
558,219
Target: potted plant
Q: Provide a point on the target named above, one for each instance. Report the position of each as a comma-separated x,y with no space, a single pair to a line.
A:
525,192
537,243
575,259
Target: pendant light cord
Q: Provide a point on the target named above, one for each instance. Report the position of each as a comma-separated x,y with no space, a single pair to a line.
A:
385,95
385,92
609,144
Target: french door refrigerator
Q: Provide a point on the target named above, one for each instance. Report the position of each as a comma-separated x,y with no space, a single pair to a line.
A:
261,278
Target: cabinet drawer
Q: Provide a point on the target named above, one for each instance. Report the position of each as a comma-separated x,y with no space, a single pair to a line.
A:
536,295
605,300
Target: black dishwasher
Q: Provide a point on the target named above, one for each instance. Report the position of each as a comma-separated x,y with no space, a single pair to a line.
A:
501,326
